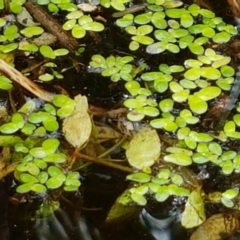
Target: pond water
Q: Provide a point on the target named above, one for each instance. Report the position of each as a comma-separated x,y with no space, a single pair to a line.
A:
81,216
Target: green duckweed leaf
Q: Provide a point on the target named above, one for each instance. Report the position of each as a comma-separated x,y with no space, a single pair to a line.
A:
123,22
54,183
135,116
24,188
197,105
145,40
46,77
151,111
209,93
51,124
73,176
201,40
11,32
68,25
67,6
133,87
54,171
156,48
133,46
144,30
215,148
206,13
158,22
208,32
47,51
181,96
166,105
32,31
9,128
60,100
178,33
37,152
65,111
200,158
175,12
180,159
187,84
40,163
139,177
27,178
227,71
176,179
118,5
143,18
38,188
74,15
230,193
55,158
221,37
163,35
139,199
193,73
93,26
166,124
227,167
33,169
196,49
210,73
162,194
50,145
15,7
160,85
8,47
173,24
78,31
185,41
186,20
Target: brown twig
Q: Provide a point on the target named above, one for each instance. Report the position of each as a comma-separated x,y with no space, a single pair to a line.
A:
52,26
17,77
104,162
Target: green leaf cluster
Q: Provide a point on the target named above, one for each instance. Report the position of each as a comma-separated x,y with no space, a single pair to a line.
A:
167,27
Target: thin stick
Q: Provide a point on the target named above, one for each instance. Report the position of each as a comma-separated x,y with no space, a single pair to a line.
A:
16,76
104,162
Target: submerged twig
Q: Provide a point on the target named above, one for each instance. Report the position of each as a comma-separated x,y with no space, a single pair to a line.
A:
132,9
52,26
104,162
16,76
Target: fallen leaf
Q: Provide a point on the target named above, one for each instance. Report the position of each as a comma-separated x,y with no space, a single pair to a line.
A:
77,127
194,213
144,149
26,19
216,226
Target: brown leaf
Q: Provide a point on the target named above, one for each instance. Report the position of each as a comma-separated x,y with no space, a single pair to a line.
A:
77,127
215,226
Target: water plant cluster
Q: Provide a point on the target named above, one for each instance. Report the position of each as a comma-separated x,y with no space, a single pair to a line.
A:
192,87
172,99
41,165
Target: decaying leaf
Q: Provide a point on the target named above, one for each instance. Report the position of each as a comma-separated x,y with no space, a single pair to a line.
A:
26,19
120,212
144,149
194,213
44,39
216,226
106,132
77,127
